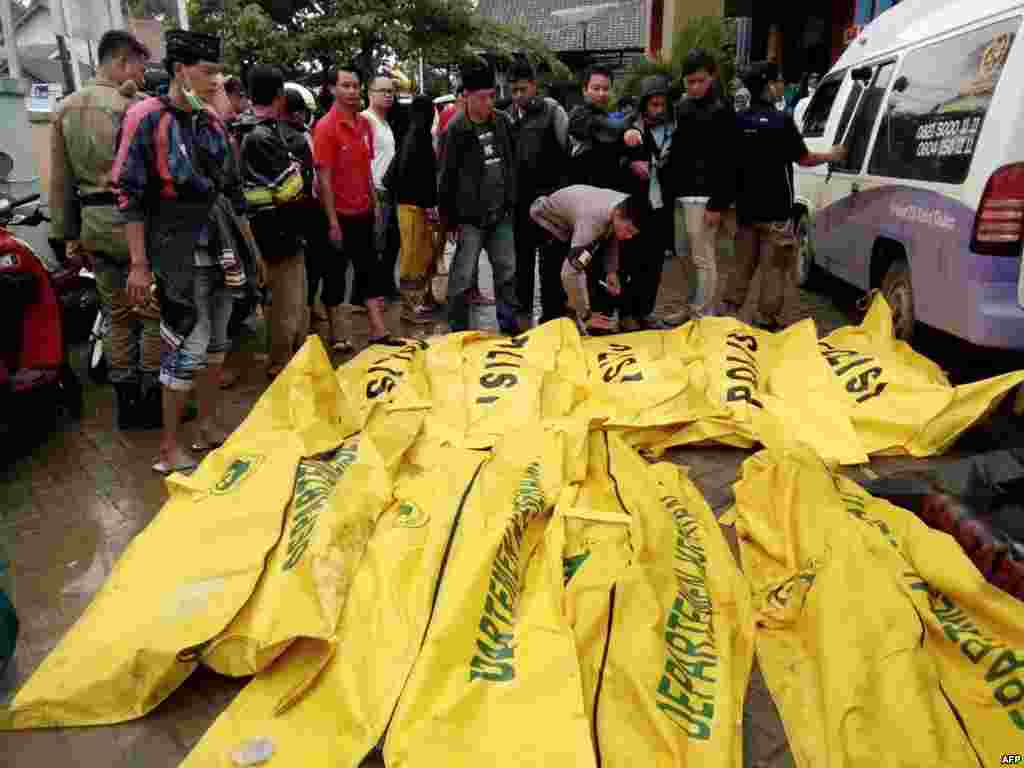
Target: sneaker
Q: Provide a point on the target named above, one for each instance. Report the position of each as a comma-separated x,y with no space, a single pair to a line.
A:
680,317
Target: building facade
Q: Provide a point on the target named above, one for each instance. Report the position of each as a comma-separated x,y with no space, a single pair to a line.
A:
580,32
803,36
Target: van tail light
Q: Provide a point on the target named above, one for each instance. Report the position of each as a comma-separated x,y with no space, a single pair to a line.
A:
999,225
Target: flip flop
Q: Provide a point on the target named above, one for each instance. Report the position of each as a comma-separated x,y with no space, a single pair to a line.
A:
228,379
165,469
343,346
204,444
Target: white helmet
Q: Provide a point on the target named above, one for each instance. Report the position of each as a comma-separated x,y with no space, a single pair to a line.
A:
307,98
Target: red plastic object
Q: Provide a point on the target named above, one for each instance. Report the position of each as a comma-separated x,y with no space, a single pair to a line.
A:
42,340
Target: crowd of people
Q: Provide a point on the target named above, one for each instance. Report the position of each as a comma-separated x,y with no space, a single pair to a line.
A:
195,204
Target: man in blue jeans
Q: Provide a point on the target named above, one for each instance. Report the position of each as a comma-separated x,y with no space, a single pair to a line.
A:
478,196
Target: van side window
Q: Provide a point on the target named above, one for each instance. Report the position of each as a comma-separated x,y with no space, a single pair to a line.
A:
856,89
816,117
937,107
864,118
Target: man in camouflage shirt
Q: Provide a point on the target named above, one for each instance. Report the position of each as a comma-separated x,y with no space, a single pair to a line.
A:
82,208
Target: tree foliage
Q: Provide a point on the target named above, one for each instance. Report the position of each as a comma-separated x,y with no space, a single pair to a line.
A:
304,36
714,34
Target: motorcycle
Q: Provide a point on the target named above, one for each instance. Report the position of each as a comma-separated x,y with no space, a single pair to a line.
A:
37,382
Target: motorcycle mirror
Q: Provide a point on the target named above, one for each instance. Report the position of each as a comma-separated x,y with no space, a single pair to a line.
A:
6,166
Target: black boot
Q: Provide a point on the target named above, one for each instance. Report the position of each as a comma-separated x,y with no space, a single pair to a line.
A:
151,406
127,405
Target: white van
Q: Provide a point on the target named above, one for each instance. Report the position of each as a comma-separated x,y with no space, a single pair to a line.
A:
929,205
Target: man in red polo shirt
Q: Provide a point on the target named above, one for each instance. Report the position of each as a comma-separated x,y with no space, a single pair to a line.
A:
343,151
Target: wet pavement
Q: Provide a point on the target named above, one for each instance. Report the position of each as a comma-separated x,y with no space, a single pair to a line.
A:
71,508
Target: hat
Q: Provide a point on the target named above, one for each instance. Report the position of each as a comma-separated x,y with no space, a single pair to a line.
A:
182,43
477,77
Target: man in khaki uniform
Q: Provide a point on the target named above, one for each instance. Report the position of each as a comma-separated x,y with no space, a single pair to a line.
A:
82,207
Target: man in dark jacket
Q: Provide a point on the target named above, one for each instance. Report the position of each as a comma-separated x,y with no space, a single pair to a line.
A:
701,170
597,146
478,196
264,160
541,127
769,144
597,140
647,179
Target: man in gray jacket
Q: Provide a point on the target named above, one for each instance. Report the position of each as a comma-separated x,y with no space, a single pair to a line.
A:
593,222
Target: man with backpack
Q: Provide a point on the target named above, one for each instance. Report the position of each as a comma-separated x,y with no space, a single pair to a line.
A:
274,186
541,131
178,189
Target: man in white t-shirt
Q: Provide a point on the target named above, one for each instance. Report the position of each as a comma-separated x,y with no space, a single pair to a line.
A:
382,98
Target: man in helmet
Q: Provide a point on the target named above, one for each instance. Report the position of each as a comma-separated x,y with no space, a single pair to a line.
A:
645,254
296,121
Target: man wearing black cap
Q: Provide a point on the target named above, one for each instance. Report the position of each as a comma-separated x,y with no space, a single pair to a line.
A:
82,146
478,195
769,144
179,191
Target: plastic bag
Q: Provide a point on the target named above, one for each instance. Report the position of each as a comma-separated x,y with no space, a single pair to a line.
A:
379,374
479,387
136,642
390,605
862,612
769,388
901,402
141,635
304,401
497,677
303,590
679,648
642,381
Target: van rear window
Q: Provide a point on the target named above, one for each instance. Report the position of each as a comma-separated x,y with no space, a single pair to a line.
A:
937,106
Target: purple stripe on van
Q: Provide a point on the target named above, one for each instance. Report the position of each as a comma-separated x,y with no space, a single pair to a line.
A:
971,296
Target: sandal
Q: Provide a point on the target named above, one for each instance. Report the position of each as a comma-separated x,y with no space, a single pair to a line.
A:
228,379
182,463
205,443
344,346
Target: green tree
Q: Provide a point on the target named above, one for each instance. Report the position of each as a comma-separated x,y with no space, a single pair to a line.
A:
716,35
304,36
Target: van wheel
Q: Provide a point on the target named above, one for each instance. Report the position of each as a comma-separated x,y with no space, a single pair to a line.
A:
899,292
805,266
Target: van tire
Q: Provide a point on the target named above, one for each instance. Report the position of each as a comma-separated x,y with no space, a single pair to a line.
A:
899,293
806,269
